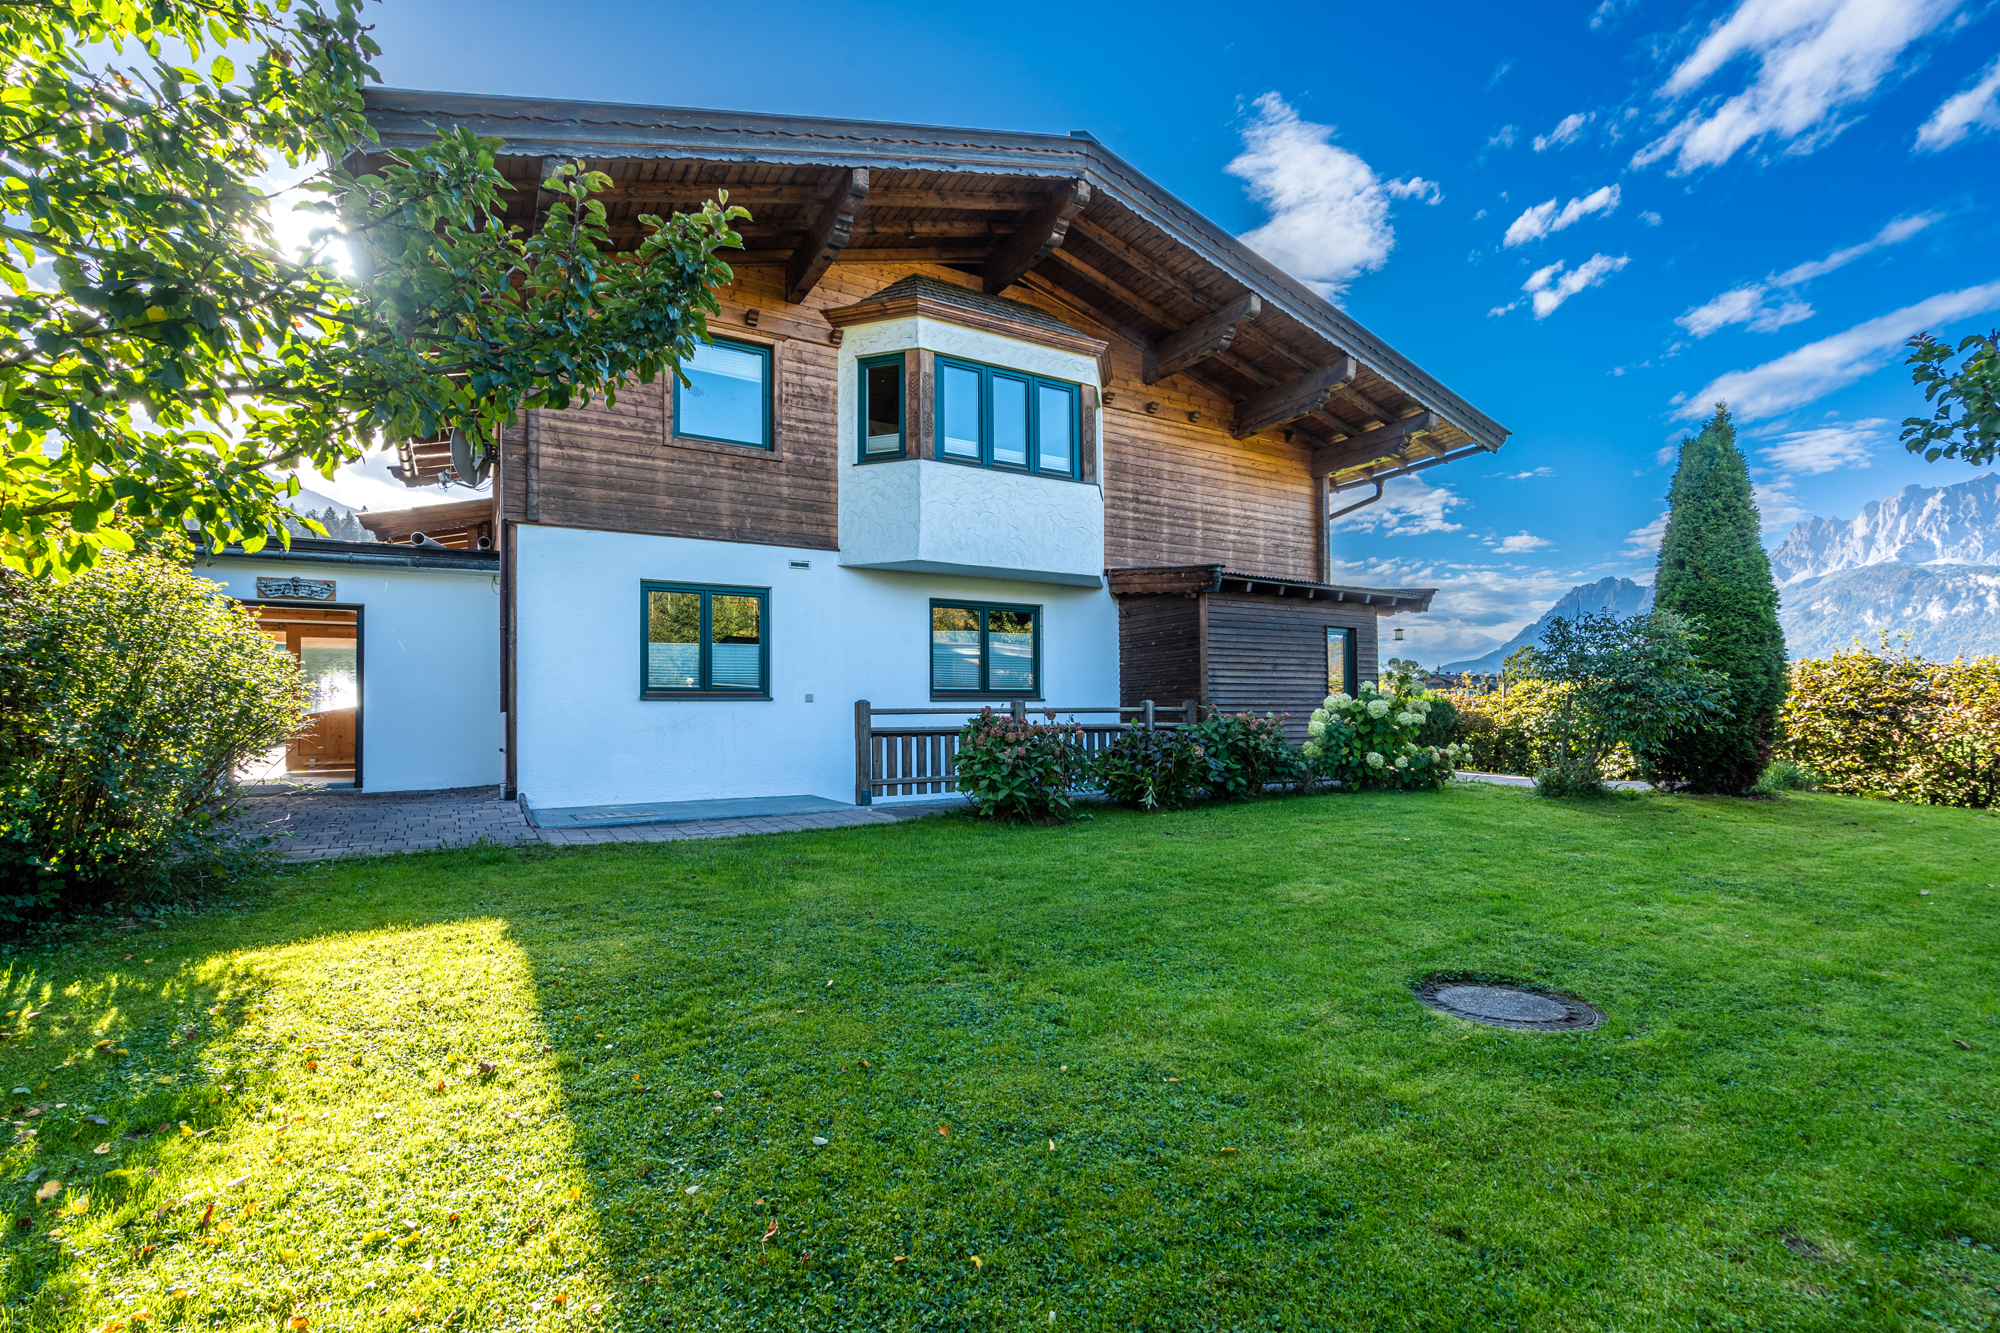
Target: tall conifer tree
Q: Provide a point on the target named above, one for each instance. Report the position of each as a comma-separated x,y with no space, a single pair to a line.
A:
1713,570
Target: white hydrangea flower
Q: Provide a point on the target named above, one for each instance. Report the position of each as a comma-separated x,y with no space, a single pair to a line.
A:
1310,749
1421,706
1338,702
1319,715
1408,719
1375,760
1402,762
1316,728
1378,707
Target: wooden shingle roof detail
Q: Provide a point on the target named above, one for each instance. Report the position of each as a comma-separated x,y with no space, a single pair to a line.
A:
1074,225
1189,580
937,299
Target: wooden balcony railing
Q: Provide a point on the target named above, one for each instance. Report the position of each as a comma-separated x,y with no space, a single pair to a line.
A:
919,760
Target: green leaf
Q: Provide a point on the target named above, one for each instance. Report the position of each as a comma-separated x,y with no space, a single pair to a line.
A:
222,69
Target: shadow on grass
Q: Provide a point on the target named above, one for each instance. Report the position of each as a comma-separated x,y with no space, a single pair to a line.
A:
1158,1072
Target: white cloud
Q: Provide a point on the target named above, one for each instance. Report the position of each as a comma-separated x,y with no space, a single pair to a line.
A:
1817,369
1777,508
1520,543
1530,474
1566,131
1504,138
1826,448
1814,58
1545,218
1329,210
1551,286
1609,12
1646,540
1409,507
1750,305
1977,108
1478,606
1416,187
1499,73
1650,218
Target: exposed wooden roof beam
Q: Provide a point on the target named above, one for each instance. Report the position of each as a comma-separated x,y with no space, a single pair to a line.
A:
1371,444
829,234
1293,399
1115,289
950,252
1039,236
1201,340
879,197
543,198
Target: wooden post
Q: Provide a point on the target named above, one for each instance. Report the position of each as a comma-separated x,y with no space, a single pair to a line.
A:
864,772
1146,714
1020,710
1190,711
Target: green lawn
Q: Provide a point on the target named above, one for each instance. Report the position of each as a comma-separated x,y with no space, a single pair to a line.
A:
1160,1072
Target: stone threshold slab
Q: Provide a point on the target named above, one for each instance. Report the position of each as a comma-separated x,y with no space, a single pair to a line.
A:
681,812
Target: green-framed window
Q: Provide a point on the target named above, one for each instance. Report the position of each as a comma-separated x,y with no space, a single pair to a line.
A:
1340,677
989,416
884,434
978,648
728,397
702,641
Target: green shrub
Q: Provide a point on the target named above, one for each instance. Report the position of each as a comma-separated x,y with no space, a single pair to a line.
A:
1785,775
1246,754
1369,740
1021,770
1885,722
127,697
1163,769
1440,726
1569,781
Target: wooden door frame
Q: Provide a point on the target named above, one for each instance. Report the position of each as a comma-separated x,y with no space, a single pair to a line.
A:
360,611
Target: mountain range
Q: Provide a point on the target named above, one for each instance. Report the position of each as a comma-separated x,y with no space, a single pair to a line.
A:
1925,561
1618,597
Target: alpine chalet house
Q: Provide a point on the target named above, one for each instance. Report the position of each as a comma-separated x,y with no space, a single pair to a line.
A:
989,418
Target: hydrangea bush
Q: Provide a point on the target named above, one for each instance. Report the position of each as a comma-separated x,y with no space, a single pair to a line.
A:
1370,740
1021,770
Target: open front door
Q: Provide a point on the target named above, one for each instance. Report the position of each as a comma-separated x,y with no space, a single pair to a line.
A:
326,641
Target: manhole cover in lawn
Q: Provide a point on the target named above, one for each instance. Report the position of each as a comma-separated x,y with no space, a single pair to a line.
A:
1503,1006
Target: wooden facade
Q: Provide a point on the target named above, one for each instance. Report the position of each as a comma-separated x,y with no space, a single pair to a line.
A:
1238,642
1233,402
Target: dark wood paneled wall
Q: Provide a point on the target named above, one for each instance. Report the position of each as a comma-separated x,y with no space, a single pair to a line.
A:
1177,491
1268,654
1159,649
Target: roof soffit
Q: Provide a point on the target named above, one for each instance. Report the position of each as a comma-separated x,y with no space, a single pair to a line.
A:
548,128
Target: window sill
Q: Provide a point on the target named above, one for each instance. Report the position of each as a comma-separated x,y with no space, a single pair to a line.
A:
882,458
699,696
1014,471
722,447
981,700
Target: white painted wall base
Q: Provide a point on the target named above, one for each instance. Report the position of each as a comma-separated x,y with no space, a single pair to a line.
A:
430,666
585,737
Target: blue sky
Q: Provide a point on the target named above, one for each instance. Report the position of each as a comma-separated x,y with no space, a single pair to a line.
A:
1587,218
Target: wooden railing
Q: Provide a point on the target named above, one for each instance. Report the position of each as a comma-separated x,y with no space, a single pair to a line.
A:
922,760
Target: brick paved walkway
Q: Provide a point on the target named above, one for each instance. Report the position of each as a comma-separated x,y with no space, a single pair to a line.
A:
309,824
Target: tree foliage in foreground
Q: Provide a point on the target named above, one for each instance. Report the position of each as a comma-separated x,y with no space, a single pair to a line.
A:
160,357
1713,571
1973,389
1616,683
127,695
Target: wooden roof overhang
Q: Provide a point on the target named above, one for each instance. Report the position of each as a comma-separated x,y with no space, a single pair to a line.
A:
1191,580
1063,216
458,524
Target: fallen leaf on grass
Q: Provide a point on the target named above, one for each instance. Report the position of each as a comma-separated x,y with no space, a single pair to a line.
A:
238,1183
818,1142
1961,1045
945,1130
487,1066
978,1262
49,1191
101,1149
98,1119
1229,1150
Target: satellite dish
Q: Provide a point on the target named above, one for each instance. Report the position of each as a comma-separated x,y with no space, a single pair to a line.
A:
461,455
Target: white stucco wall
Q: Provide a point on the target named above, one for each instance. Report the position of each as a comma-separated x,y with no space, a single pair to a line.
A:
925,515
430,666
585,737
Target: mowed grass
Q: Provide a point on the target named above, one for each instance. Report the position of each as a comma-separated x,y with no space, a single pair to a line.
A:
1160,1072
